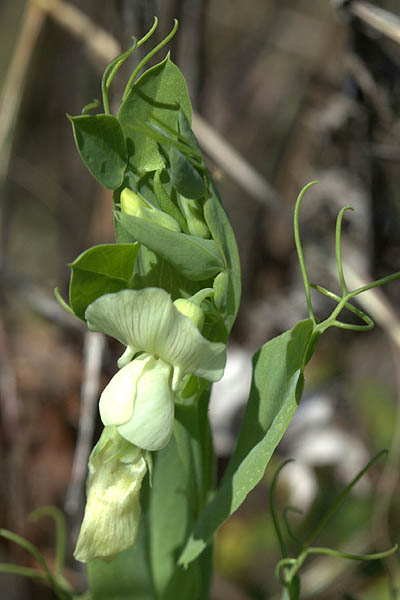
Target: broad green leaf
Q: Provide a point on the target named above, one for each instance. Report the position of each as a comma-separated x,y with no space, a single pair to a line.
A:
102,147
160,92
275,393
100,270
195,258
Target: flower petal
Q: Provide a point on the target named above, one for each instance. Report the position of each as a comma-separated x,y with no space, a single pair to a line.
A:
118,397
152,421
112,511
146,320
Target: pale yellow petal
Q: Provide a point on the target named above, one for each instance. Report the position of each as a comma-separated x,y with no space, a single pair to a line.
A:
152,420
118,398
146,320
112,513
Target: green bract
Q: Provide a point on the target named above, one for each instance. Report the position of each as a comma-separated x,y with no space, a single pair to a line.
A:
135,205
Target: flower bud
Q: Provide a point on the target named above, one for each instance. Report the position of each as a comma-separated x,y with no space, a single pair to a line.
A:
134,204
191,310
193,212
111,521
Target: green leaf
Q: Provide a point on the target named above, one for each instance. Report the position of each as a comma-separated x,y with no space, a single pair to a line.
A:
100,270
228,286
186,130
193,257
160,92
102,147
165,202
126,576
170,515
153,271
185,178
275,393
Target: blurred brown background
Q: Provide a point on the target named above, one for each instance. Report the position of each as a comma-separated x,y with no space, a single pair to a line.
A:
285,91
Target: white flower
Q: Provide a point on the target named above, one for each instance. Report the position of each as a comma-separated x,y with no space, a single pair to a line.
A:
139,400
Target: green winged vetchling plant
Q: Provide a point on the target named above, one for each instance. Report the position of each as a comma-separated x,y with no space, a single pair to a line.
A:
168,290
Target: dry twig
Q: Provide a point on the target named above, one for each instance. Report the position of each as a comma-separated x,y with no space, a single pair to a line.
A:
99,43
93,357
11,95
379,19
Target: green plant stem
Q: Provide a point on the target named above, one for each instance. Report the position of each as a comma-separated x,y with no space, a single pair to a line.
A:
23,571
61,532
91,106
344,302
287,523
58,584
148,34
274,514
350,556
339,249
114,65
110,73
339,501
284,562
297,563
329,322
299,249
293,565
375,284
146,59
